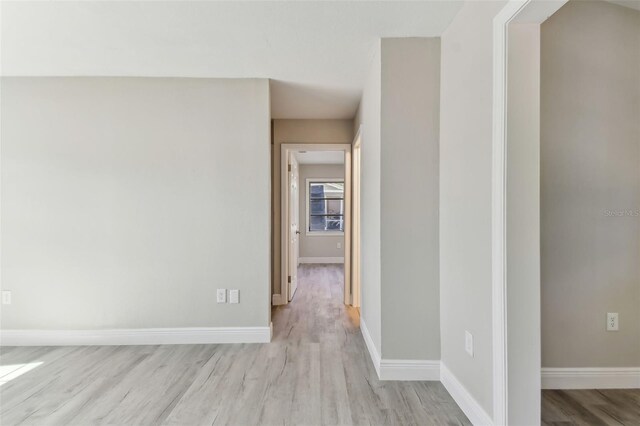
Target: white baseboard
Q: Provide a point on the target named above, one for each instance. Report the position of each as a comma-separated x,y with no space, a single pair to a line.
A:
277,299
591,378
144,336
373,352
409,370
321,260
399,369
463,398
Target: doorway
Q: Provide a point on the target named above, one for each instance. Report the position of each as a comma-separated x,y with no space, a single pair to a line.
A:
316,219
554,238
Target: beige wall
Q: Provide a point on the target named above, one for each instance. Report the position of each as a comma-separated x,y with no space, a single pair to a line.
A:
409,198
465,196
298,132
317,245
590,150
399,115
115,202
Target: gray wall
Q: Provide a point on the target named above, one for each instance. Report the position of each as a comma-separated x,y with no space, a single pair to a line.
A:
317,245
465,196
122,206
399,114
298,132
409,198
590,150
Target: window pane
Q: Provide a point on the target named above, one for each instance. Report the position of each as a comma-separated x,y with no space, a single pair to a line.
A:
334,223
326,190
317,223
326,223
335,206
317,207
316,190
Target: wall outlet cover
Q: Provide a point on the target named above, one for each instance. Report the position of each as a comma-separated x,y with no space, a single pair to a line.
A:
221,295
468,343
6,297
234,296
612,321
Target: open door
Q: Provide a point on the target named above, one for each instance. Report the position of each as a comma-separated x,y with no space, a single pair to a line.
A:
294,228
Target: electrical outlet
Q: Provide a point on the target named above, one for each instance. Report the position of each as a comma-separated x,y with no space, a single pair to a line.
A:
234,296
222,295
468,343
612,321
339,245
6,297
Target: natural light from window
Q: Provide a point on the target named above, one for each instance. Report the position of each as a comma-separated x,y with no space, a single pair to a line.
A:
10,372
326,207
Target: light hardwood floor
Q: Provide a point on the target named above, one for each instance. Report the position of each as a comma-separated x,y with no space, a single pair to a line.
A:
591,407
316,371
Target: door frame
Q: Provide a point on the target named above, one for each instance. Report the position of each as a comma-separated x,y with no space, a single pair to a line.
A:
515,11
356,206
285,149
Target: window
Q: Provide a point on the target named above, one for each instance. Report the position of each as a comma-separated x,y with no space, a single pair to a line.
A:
325,206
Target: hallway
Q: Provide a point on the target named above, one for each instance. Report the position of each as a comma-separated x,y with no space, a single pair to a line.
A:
322,338
316,371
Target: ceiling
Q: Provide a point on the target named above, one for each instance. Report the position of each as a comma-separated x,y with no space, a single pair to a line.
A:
317,53
320,157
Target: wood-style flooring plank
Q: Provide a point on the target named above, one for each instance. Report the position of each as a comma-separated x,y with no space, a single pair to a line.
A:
316,371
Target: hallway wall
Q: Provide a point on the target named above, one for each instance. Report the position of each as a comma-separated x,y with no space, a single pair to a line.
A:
465,197
400,118
298,132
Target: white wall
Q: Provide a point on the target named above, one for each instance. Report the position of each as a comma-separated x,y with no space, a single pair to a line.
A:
369,117
465,197
590,148
523,224
124,204
317,245
298,132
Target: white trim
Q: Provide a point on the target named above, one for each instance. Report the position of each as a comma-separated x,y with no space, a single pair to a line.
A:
399,369
463,398
373,352
321,259
277,299
538,14
409,370
141,336
356,208
591,378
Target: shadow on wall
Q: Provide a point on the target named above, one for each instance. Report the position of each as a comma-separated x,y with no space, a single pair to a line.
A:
296,101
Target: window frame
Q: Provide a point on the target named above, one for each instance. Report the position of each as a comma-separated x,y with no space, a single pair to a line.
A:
310,233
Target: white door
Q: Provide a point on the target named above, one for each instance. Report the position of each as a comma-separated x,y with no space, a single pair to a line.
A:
294,228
